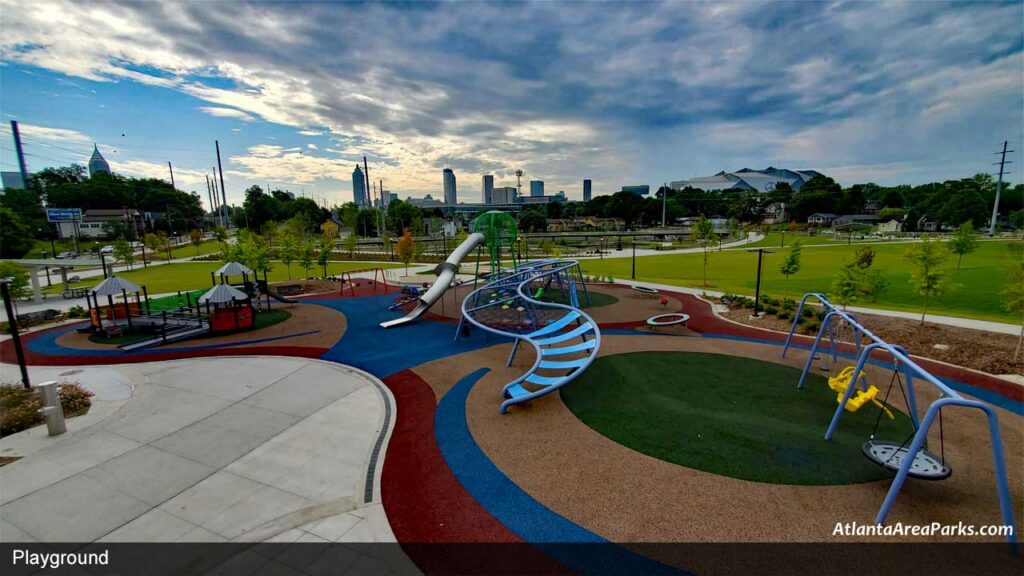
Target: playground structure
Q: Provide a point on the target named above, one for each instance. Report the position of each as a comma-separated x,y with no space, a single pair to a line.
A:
346,276
905,460
509,306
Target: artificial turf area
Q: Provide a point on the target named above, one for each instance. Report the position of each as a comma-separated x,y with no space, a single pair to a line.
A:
729,415
597,299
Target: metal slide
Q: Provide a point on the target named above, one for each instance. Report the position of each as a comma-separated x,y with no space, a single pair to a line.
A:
445,273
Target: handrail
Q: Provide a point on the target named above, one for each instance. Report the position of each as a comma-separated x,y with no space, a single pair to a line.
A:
521,279
949,397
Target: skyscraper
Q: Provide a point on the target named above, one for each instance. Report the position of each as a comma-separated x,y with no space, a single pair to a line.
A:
536,187
450,195
97,163
488,188
586,191
359,188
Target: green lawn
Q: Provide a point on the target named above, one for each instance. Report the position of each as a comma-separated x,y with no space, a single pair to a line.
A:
729,415
975,295
190,251
196,275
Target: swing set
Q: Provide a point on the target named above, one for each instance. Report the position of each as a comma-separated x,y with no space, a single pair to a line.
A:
898,457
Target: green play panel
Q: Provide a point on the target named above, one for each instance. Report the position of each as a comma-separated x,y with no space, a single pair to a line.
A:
730,415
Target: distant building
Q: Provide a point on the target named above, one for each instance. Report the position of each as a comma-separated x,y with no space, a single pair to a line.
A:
821,219
450,194
487,188
12,180
503,195
586,190
746,179
536,188
638,190
560,197
392,197
890,226
425,202
776,213
359,195
854,220
97,163
93,222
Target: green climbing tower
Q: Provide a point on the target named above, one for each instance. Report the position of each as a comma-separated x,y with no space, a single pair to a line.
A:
500,233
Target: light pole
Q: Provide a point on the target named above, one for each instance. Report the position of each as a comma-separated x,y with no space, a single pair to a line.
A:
634,258
782,244
12,325
757,290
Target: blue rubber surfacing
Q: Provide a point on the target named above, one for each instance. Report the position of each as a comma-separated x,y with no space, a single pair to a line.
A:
517,510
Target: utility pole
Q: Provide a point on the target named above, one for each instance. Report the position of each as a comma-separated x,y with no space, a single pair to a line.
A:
216,198
171,168
223,190
20,153
209,194
664,199
519,183
999,187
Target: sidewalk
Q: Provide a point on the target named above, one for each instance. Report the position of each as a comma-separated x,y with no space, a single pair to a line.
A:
209,450
998,327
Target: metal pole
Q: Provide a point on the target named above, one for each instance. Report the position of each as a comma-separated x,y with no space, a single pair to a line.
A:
999,189
169,167
757,289
12,326
664,199
223,190
634,259
19,152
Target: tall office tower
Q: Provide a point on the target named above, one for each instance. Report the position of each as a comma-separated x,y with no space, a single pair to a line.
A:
586,191
536,187
359,188
98,163
487,189
450,196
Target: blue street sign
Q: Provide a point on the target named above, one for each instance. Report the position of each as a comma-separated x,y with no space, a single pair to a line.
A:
64,214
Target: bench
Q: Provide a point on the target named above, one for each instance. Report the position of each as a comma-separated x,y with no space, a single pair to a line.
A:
74,293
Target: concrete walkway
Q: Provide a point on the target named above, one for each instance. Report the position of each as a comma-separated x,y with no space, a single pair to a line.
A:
998,327
253,449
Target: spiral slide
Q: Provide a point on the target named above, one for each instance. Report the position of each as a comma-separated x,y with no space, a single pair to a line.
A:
445,273
566,339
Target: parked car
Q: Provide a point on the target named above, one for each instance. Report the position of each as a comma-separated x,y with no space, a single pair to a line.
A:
63,255
108,249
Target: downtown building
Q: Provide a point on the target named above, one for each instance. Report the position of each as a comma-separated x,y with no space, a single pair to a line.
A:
359,195
450,192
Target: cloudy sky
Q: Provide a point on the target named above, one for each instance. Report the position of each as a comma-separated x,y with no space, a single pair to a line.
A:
631,93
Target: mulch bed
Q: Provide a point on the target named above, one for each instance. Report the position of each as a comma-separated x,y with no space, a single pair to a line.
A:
989,352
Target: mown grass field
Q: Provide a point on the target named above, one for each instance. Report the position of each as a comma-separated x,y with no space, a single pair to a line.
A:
975,292
194,275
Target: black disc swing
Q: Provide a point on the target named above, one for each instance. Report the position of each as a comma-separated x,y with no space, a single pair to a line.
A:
926,466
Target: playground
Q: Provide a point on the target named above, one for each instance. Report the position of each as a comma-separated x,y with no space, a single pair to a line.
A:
523,402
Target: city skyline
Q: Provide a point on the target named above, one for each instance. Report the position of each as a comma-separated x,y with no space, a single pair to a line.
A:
805,85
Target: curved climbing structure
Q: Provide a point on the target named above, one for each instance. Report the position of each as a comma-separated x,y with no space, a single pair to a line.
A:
538,304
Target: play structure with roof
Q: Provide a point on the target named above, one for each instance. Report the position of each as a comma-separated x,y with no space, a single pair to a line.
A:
532,404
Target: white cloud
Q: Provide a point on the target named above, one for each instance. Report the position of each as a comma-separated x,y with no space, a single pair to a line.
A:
227,113
311,146
58,135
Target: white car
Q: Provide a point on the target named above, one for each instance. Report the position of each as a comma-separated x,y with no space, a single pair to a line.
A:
108,249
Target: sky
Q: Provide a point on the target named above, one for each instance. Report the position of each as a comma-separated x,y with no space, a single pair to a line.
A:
621,93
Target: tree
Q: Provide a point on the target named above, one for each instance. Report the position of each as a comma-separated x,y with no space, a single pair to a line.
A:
532,219
846,285
963,241
15,235
329,232
151,241
704,234
405,249
350,244
864,257
196,238
1013,293
220,234
164,243
790,266
124,252
324,256
306,258
289,247
19,286
927,278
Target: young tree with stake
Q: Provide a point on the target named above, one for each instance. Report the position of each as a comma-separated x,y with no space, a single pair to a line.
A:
963,241
927,277
790,266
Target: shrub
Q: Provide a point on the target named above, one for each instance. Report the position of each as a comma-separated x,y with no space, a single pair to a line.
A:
784,315
812,325
18,409
807,313
820,314
788,304
74,399
77,312
771,310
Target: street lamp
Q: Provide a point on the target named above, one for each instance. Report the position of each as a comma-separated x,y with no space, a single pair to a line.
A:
634,258
757,290
782,244
12,325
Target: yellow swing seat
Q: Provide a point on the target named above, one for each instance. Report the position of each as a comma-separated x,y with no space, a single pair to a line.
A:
842,380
